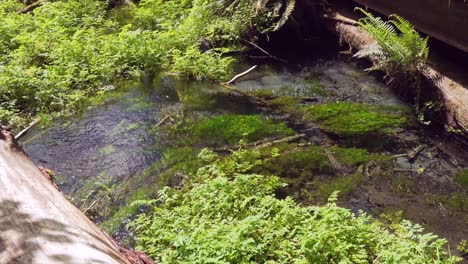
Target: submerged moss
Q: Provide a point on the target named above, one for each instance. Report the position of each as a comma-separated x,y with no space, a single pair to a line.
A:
321,188
146,184
106,150
230,129
316,87
462,178
455,203
127,209
350,119
302,164
351,156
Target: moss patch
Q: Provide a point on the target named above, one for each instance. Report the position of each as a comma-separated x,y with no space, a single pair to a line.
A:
462,178
344,184
230,129
106,150
112,224
455,203
302,164
349,119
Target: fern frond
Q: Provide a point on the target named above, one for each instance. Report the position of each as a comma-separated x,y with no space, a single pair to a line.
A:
401,45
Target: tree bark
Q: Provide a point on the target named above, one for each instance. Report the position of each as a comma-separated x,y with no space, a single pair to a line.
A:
37,224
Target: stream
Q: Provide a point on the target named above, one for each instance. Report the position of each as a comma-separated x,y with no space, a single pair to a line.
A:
118,150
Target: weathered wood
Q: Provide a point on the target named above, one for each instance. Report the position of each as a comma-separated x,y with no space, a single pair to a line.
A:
454,95
37,224
32,6
241,74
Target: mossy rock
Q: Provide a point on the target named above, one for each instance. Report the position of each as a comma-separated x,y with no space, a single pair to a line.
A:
353,119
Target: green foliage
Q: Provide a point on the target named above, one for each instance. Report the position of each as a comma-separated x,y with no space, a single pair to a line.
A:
63,52
401,48
350,119
462,178
223,215
230,129
195,64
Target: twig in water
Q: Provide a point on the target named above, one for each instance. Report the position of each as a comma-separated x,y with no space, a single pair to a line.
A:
241,74
24,131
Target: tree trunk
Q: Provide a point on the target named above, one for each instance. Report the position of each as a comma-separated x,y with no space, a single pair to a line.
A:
37,224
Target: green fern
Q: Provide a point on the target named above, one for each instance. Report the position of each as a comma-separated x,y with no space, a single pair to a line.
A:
400,47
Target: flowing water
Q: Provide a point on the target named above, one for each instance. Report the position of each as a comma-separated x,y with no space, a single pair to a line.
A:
112,143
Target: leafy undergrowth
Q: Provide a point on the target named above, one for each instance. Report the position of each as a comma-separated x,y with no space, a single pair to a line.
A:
223,214
53,58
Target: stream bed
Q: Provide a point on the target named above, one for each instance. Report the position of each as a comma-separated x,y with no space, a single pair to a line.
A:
356,136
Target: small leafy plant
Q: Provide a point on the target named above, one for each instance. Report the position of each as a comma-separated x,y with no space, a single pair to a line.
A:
224,214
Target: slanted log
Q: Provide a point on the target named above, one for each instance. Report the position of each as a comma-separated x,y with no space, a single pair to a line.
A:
454,96
37,224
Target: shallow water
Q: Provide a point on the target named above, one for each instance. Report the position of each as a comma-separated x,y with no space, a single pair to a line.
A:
112,143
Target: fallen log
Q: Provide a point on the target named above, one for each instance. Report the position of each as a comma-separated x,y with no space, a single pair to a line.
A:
453,95
37,223
32,6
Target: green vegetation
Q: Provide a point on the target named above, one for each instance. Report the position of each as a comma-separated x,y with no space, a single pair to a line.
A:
462,178
225,129
63,52
345,184
351,119
455,203
230,129
401,50
303,163
222,214
400,47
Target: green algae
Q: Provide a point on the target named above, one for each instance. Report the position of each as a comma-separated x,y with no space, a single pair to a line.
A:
106,150
351,119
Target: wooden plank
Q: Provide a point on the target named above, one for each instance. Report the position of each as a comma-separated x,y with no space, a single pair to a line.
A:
37,224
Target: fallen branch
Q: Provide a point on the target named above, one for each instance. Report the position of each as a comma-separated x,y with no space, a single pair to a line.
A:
31,7
263,143
24,131
163,121
340,18
264,51
241,74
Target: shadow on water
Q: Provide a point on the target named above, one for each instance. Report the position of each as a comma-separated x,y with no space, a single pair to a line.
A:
22,238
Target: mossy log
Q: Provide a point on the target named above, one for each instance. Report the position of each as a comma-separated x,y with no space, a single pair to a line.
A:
37,223
453,95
